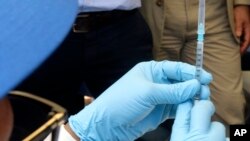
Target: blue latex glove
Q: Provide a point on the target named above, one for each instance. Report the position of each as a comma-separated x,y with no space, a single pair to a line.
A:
138,102
193,123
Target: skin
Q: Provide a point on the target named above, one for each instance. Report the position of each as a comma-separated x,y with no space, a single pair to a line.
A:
71,132
6,119
242,26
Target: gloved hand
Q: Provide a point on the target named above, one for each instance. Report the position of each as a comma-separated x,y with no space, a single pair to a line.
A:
138,102
193,123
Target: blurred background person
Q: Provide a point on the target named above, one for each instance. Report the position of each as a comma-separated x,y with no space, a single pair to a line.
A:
174,29
106,40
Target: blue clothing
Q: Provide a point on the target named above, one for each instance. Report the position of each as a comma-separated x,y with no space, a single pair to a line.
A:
30,31
34,29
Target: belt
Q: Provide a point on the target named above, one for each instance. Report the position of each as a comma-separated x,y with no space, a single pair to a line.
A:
86,22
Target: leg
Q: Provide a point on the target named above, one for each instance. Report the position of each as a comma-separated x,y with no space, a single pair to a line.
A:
112,50
173,36
222,59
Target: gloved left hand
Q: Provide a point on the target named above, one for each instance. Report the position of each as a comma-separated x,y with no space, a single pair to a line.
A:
193,123
138,102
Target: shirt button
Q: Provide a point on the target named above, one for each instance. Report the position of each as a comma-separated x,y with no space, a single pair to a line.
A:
159,2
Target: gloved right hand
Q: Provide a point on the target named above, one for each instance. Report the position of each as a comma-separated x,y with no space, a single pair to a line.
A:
193,123
138,102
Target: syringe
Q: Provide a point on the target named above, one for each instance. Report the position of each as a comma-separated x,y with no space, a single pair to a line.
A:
200,39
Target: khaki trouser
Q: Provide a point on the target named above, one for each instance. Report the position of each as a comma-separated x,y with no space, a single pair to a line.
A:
221,52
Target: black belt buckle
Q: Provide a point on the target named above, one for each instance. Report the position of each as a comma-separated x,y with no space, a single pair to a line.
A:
81,24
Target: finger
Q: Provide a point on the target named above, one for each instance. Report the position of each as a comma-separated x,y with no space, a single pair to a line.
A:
243,50
247,32
238,28
243,47
246,40
218,130
179,71
182,121
152,119
205,92
201,116
245,37
174,93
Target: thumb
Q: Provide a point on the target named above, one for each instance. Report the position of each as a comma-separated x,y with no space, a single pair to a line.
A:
182,120
218,131
174,93
201,116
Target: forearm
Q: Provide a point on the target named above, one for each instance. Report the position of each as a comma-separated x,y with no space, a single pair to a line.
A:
6,119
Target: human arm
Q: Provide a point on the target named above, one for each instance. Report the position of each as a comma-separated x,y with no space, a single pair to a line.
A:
138,102
6,119
193,123
242,26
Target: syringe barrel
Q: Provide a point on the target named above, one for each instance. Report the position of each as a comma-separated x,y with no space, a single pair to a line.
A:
199,63
199,60
201,17
200,39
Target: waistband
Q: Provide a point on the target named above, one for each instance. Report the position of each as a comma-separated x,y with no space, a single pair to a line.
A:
86,22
